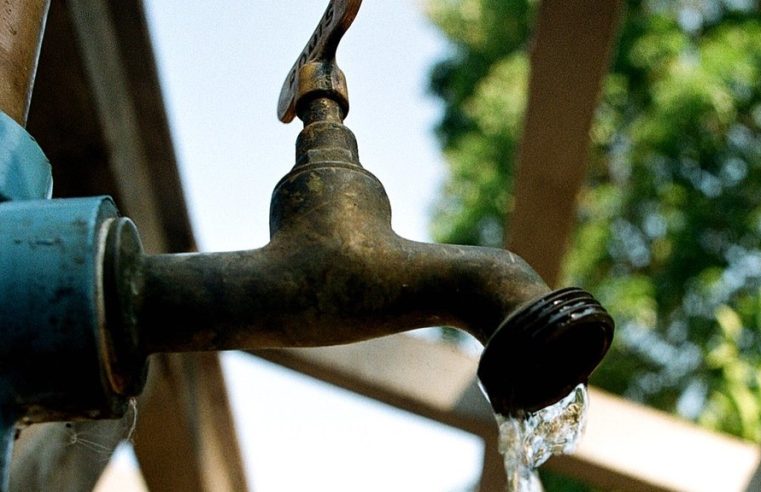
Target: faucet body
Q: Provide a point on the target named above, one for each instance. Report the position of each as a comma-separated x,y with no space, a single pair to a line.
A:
335,272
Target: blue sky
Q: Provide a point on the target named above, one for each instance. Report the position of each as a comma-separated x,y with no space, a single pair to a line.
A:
222,69
221,66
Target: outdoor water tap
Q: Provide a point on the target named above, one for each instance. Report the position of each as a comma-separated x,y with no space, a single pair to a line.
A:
83,307
334,271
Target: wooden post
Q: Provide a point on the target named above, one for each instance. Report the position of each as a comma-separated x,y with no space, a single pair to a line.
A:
568,63
22,23
185,438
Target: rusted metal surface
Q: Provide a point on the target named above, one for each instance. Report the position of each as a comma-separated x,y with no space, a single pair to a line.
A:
333,265
334,272
22,23
544,350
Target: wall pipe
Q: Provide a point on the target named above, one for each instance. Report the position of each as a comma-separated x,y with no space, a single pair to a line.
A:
7,434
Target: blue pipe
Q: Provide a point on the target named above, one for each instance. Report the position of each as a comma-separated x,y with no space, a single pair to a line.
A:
52,314
24,169
55,351
7,433
24,175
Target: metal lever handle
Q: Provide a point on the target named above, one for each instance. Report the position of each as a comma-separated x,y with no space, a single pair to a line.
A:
317,61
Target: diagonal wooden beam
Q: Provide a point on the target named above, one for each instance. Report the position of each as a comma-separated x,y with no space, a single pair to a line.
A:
627,447
569,60
99,48
493,475
185,424
186,439
98,113
22,23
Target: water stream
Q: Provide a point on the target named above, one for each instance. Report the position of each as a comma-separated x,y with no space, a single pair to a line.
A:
526,441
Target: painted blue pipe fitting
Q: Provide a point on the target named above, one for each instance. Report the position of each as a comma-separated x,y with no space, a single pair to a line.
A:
57,358
52,314
7,433
24,169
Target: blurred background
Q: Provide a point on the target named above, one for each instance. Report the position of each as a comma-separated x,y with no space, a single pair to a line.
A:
658,159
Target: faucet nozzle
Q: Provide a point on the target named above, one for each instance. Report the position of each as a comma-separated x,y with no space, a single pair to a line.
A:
544,350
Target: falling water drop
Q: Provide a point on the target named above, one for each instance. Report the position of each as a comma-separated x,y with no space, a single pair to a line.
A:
528,440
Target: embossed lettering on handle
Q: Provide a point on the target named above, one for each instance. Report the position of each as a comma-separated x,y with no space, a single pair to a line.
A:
321,48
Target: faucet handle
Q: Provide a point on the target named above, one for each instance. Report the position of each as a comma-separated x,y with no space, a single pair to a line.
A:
315,69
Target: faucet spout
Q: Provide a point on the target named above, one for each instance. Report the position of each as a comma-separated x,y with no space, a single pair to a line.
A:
321,288
335,272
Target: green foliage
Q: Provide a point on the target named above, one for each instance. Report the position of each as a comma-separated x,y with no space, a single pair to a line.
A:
483,87
669,234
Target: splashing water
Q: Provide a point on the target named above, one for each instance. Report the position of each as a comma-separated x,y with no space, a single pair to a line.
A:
526,441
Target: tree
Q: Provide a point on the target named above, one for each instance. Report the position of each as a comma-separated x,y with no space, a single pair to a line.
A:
669,234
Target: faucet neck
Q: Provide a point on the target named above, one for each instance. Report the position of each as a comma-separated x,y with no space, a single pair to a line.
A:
321,108
325,139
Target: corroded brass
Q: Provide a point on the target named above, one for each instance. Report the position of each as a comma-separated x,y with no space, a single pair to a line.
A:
335,272
315,70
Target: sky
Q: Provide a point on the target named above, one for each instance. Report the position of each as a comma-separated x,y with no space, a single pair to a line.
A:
221,66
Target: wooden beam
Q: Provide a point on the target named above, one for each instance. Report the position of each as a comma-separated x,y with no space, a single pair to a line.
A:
493,476
220,456
432,380
63,118
22,23
569,60
66,456
187,412
131,30
68,124
657,450
99,48
627,446
98,114
186,438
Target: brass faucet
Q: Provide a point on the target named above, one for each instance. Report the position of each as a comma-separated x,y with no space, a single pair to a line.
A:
334,271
